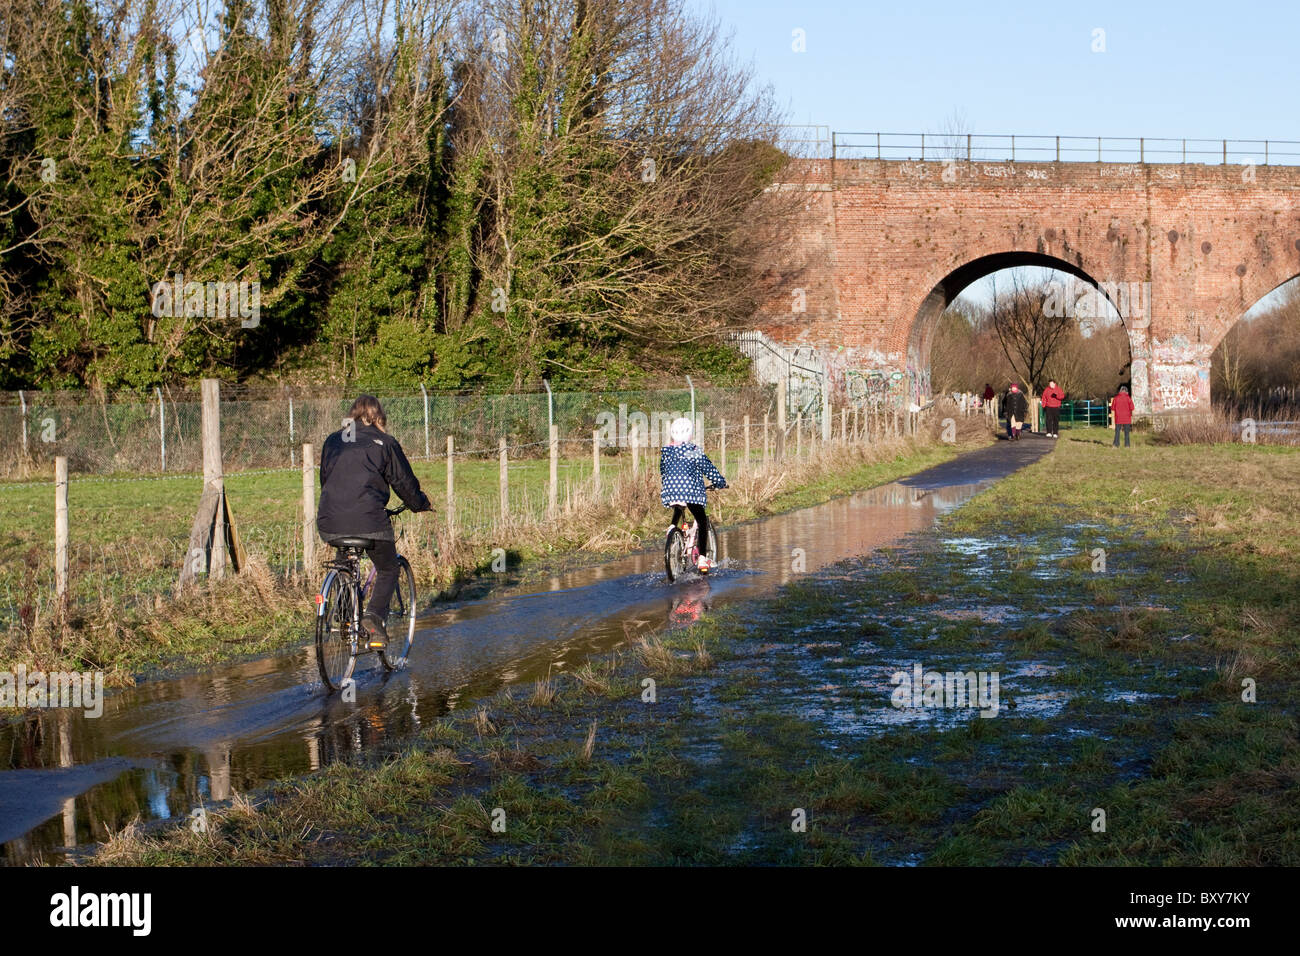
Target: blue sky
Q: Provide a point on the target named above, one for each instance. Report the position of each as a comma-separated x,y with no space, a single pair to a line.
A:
1192,69
1187,69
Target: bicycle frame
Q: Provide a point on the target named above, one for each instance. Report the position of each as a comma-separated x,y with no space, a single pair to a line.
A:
344,578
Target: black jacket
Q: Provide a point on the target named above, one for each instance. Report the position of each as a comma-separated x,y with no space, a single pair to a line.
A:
355,478
1017,406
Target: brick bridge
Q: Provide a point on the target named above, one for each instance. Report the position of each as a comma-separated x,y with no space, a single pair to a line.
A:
881,246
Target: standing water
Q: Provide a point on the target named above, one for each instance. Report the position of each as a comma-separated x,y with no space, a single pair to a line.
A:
164,748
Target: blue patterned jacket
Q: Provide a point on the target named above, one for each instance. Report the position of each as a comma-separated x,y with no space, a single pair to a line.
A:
683,469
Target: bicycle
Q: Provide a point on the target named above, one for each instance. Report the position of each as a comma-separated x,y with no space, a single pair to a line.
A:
339,604
681,550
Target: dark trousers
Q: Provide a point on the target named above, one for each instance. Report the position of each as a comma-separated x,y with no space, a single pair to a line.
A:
384,557
1127,429
1053,418
701,524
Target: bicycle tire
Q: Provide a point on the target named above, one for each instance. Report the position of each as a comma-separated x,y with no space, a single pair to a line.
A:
337,625
401,618
675,553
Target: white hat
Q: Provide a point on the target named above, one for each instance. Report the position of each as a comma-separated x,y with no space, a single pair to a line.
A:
681,430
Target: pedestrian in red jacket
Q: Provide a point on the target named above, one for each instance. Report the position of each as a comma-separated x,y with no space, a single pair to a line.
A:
1052,398
1122,407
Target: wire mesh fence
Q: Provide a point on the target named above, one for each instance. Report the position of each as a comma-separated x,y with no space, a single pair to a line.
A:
265,428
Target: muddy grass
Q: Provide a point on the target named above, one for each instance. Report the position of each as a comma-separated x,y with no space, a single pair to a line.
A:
1124,731
135,635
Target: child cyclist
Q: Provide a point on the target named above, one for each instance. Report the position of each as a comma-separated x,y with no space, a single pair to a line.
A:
683,468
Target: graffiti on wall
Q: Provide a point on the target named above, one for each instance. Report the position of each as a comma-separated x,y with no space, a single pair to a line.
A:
1176,387
1179,375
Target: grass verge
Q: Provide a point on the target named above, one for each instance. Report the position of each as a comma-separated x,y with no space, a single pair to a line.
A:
1139,608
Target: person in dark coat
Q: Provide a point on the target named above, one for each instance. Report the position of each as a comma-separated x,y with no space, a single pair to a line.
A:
360,466
1121,407
1017,411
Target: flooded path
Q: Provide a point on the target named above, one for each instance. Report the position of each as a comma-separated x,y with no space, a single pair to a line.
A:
167,747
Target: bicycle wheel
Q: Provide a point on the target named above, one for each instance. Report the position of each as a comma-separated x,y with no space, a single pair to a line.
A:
401,618
675,553
336,630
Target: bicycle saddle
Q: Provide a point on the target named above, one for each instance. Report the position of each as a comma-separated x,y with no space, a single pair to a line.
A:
364,543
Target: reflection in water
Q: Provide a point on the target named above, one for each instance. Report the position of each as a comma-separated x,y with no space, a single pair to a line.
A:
202,738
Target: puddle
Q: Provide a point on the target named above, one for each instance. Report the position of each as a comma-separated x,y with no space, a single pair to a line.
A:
208,736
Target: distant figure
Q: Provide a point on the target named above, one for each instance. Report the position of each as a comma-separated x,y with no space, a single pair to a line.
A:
1017,412
1122,407
988,393
1052,398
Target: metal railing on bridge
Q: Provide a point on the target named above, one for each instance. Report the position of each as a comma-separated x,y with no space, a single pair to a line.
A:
972,147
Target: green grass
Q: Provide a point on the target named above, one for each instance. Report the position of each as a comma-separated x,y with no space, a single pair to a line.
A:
1199,595
128,538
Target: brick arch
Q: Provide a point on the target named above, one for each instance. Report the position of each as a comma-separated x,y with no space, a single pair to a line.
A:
1222,332
878,242
1222,329
920,335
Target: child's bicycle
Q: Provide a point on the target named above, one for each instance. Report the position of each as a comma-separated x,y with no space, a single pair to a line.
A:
339,637
681,549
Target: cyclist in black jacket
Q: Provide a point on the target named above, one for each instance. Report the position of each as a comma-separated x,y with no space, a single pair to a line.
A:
359,465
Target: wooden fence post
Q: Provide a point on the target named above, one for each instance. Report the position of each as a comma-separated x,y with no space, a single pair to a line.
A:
553,502
766,453
826,407
798,435
722,443
308,508
504,479
61,528
844,425
595,455
745,463
451,487
780,415
212,474
636,451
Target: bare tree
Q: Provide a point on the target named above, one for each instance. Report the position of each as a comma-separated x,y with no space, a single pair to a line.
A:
1029,334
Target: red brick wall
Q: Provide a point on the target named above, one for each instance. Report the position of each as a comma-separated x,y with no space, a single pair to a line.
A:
875,239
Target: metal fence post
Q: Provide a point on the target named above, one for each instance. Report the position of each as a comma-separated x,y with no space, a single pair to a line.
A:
162,427
553,493
23,402
425,393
